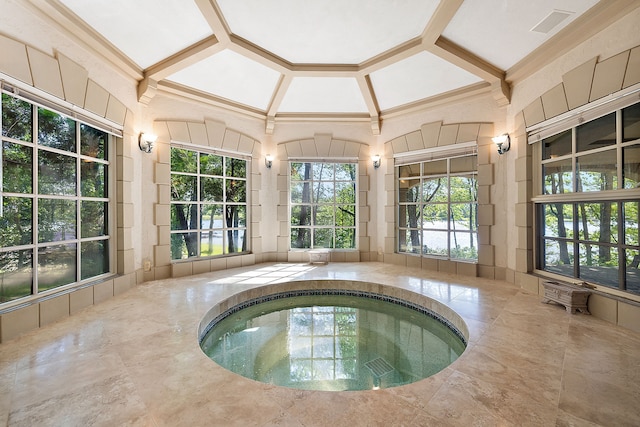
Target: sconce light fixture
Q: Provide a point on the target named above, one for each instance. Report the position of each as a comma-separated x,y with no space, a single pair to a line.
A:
503,142
376,161
146,141
268,161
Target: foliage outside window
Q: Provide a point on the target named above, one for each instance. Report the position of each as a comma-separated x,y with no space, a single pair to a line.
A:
54,222
438,208
208,204
323,205
588,215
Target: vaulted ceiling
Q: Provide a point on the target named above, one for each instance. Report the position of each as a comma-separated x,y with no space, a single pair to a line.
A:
358,60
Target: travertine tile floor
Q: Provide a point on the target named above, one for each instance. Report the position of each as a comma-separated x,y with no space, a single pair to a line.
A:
135,360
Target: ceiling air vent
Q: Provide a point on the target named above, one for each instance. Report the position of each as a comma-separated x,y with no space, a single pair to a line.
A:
550,21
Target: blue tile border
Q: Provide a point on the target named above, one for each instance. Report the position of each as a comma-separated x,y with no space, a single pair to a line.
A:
345,292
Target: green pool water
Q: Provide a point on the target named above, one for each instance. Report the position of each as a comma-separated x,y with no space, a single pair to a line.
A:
332,342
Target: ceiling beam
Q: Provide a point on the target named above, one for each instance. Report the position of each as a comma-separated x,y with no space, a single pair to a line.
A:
364,82
280,92
443,14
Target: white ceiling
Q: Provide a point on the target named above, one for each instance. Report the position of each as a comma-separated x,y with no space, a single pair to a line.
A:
286,57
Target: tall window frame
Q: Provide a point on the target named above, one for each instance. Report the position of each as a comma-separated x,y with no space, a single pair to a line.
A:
323,202
57,198
209,203
587,201
437,206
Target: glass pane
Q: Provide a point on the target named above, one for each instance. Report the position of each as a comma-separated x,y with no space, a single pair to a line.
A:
93,218
345,238
184,216
409,216
17,161
15,274
631,123
56,220
556,145
93,142
597,172
464,164
323,238
17,118
598,222
15,223
211,243
236,168
409,190
56,266
56,130
435,190
599,264
56,174
323,171
211,217
631,220
94,258
184,160
236,216
409,241
184,245
323,192
210,164
558,257
345,172
235,241
300,238
596,133
435,216
346,216
211,189
435,242
236,190
183,188
300,215
631,166
93,179
463,188
345,192
558,220
408,171
323,215
300,171
464,216
558,177
464,245
633,271
301,192
436,167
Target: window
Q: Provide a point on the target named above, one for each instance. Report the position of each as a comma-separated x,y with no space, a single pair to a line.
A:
588,210
438,208
323,205
55,217
208,204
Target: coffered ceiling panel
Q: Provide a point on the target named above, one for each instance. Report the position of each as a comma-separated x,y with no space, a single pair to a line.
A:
323,95
417,77
231,76
147,31
329,31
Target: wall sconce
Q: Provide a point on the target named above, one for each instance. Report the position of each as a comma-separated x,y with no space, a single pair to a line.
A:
503,142
376,161
268,161
146,141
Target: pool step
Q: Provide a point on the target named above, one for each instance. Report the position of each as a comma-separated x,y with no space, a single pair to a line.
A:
379,367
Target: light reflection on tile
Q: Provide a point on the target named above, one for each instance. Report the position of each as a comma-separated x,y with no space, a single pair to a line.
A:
135,360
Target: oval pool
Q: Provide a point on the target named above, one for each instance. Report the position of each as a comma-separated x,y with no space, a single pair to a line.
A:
332,339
